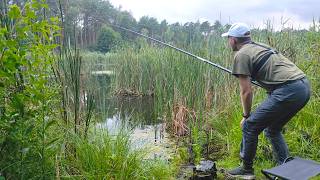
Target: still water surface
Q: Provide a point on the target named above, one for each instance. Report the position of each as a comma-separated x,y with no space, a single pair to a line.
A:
136,115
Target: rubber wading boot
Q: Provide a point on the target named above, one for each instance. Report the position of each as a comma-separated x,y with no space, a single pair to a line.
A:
241,173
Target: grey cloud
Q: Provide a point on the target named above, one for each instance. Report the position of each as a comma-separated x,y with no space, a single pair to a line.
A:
254,11
304,9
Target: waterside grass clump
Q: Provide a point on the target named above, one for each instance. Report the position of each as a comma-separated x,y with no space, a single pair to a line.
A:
106,156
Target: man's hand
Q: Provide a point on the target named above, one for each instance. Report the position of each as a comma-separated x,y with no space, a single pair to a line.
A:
242,122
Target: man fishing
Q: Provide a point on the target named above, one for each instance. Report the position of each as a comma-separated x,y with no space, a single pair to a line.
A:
288,92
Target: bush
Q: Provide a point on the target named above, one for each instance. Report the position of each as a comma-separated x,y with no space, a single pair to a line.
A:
107,39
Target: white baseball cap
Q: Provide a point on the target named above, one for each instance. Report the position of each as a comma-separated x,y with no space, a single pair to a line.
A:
238,30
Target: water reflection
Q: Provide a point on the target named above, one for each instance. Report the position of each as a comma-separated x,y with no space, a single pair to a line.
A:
137,116
130,112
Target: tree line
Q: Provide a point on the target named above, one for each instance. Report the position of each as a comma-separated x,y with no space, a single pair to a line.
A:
87,24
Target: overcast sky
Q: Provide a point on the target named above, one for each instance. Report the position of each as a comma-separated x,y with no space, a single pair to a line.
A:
299,13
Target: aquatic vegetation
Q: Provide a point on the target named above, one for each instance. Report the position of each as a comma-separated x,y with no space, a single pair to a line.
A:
111,157
52,95
181,85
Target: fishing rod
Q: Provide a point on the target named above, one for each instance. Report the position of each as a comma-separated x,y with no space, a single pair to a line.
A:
183,51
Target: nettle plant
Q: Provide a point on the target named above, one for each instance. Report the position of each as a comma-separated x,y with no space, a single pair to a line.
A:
26,45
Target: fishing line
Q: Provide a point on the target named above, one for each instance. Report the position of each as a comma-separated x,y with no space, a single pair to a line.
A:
183,51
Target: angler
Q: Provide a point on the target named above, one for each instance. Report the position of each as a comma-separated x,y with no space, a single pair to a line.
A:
288,92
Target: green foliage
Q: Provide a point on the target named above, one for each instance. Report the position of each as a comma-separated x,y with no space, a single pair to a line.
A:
107,40
174,77
300,133
32,132
149,23
94,14
313,43
111,157
197,150
26,40
183,154
78,91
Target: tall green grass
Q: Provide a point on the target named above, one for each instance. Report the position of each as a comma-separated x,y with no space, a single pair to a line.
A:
300,132
86,152
106,156
174,78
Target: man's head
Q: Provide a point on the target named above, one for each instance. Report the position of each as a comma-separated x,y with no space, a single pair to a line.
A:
238,34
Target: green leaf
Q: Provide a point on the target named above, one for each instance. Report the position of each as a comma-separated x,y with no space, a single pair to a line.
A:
52,141
14,12
50,123
30,14
29,130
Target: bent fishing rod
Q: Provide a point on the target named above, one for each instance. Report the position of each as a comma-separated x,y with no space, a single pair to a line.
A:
182,51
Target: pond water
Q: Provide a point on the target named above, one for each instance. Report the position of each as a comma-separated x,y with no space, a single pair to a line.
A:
137,116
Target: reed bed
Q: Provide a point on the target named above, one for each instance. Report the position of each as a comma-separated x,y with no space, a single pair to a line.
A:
179,83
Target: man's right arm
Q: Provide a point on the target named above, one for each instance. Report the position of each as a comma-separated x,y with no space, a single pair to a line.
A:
246,94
